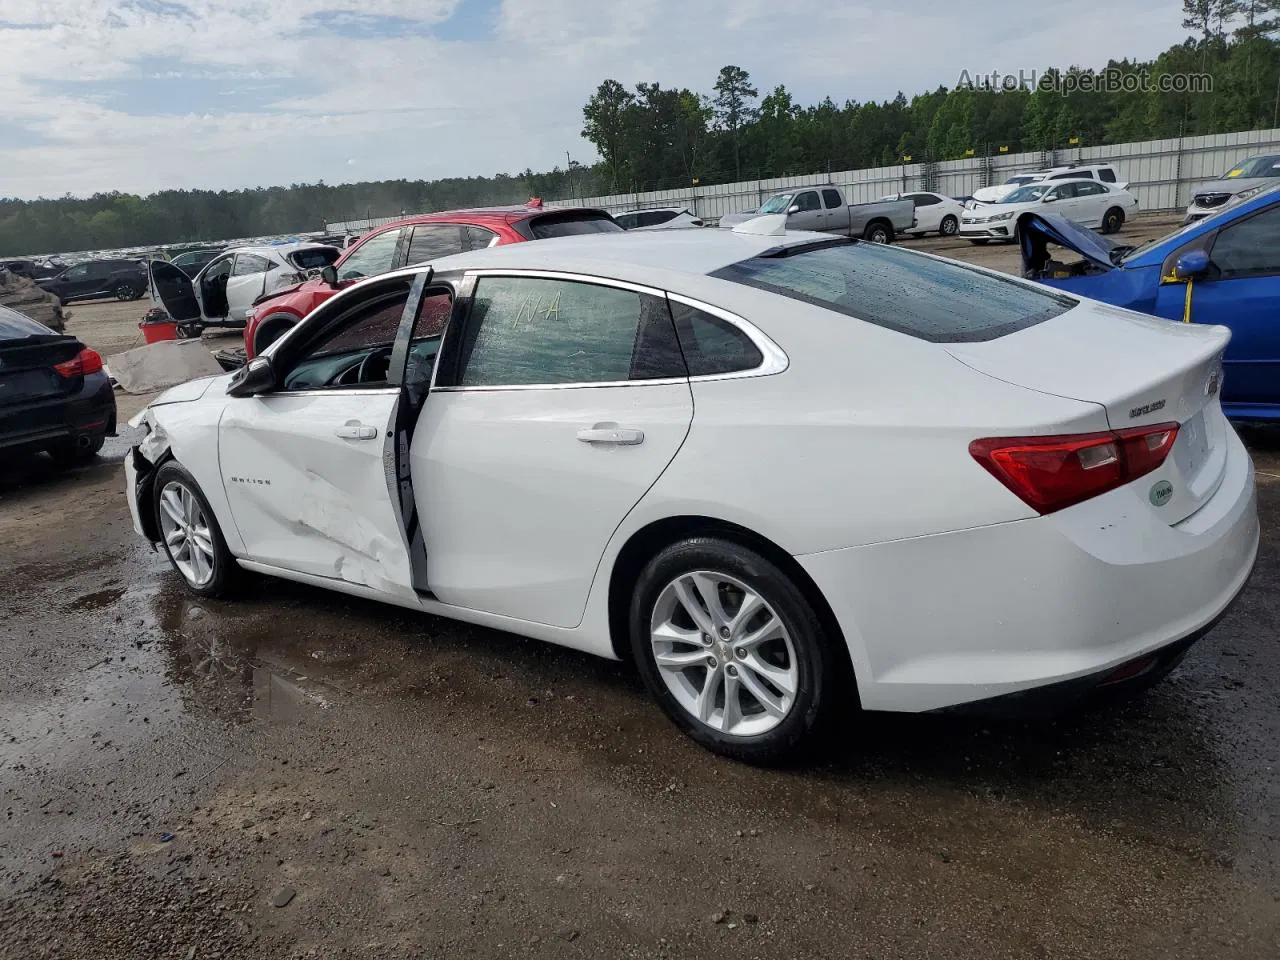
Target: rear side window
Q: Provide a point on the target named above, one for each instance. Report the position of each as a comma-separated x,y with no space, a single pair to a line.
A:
934,300
478,237
653,218
431,241
832,199
529,330
248,264
571,224
1107,175
711,345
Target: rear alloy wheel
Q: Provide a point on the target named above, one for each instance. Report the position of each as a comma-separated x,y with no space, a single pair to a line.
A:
190,534
1113,220
731,649
878,233
125,291
949,226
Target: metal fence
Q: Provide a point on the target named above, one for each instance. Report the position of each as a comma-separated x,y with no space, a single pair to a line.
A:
1162,173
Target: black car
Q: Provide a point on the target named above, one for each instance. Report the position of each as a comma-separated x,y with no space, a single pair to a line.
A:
29,269
122,279
54,393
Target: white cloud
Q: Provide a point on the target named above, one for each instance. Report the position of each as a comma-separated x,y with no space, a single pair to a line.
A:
228,93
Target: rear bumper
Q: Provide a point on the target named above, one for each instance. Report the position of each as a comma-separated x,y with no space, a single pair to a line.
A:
1004,609
82,416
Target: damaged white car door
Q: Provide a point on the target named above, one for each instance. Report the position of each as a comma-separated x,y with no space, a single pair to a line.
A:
311,467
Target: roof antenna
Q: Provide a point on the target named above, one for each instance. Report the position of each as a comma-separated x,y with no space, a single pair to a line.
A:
770,225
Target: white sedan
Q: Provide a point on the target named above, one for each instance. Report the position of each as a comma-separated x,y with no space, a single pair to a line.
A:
777,471
935,213
662,218
1086,202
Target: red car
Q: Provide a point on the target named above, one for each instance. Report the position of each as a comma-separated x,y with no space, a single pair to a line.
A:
417,240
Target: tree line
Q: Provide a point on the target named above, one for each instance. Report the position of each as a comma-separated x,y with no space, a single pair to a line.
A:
652,137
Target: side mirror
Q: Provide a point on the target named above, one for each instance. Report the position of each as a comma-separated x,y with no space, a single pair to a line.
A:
1191,265
330,276
794,208
1049,199
255,377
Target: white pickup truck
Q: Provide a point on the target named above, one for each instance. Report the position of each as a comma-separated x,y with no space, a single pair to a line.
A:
823,209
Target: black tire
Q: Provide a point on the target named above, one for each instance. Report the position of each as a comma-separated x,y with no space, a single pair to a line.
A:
819,674
877,231
949,226
1113,220
980,242
125,291
70,454
272,327
226,573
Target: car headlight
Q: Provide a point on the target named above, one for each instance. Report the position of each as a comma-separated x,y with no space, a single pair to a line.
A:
1002,216
1251,192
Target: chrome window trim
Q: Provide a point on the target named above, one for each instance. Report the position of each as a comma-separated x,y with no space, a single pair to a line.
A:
333,392
775,360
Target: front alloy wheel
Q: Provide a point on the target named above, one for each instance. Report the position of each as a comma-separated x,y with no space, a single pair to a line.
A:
186,533
189,533
724,653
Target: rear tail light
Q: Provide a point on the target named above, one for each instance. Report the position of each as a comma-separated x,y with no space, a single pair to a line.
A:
1050,473
85,362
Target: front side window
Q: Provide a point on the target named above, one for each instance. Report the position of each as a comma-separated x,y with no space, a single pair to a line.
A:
374,256
808,201
431,241
248,264
77,273
935,300
628,221
1249,248
529,330
355,349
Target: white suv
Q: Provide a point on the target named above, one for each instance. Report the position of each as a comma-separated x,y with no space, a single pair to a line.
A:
1103,172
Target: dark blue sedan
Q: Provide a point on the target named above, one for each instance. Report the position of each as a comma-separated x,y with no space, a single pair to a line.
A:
1224,269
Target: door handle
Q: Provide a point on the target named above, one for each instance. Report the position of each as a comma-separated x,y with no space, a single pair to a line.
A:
355,430
611,433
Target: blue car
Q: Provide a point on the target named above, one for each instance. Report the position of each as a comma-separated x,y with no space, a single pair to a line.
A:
1224,269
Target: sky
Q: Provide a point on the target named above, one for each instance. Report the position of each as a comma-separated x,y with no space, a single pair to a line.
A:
145,95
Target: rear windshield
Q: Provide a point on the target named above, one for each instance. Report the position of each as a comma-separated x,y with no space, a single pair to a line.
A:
935,300
315,258
572,224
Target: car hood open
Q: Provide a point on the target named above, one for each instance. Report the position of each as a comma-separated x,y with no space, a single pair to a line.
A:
1037,230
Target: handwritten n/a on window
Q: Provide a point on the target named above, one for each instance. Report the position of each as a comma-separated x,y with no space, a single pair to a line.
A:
536,307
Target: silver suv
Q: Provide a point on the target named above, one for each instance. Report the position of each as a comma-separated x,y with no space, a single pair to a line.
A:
1246,179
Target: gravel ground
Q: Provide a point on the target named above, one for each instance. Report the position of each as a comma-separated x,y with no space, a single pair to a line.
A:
300,774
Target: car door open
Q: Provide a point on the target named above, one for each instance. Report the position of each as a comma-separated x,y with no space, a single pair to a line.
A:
312,468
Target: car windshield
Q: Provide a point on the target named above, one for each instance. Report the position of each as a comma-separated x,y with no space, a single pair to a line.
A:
1256,167
1026,194
1019,181
936,300
776,204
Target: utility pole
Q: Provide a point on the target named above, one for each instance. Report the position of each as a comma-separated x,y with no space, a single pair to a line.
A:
568,167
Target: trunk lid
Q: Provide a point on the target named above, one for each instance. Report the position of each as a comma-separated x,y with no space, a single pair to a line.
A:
1142,370
26,368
